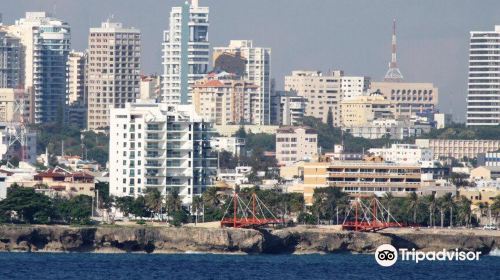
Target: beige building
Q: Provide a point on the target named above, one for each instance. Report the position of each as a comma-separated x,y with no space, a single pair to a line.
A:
252,64
113,71
296,144
323,92
409,98
446,148
226,100
362,177
150,87
485,173
7,103
362,110
480,195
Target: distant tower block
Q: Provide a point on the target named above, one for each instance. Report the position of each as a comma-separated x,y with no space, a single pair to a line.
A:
393,74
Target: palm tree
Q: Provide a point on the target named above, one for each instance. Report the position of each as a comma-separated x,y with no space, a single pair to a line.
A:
154,200
495,207
464,210
173,202
444,203
414,202
196,206
432,208
388,199
212,198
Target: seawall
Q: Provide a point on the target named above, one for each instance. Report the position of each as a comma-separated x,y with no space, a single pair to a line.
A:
148,239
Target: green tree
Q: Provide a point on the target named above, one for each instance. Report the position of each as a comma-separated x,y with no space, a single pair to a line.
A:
196,207
413,204
329,118
153,200
31,207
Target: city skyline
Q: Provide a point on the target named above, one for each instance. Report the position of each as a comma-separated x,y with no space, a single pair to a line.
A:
358,45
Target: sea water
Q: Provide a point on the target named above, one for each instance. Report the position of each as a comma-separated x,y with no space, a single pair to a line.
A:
70,266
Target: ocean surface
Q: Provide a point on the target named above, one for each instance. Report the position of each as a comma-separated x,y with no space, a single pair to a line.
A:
70,266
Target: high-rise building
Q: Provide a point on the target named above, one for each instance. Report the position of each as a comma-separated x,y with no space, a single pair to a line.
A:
363,110
77,92
226,99
10,60
185,51
351,86
45,47
483,101
162,146
322,92
113,71
254,65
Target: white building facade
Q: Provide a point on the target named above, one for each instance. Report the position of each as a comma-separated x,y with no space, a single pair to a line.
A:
483,100
185,51
404,154
160,146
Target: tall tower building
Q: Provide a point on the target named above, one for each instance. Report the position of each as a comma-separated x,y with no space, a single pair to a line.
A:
76,78
483,101
185,51
113,71
45,47
393,74
254,65
10,60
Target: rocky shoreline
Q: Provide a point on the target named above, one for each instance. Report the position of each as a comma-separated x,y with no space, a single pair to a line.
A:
297,240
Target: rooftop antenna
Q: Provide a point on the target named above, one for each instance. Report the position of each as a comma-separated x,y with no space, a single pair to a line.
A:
393,74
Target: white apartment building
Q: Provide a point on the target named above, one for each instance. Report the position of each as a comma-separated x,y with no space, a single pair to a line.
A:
185,51
296,144
292,108
352,86
233,145
489,159
323,92
45,48
404,154
458,149
159,145
483,100
254,65
76,90
10,60
113,71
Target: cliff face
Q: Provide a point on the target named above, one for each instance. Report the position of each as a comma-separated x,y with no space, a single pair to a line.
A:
217,240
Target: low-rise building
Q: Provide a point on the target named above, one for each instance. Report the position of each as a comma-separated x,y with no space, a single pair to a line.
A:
64,182
390,128
442,120
479,195
404,153
458,149
365,178
296,144
485,173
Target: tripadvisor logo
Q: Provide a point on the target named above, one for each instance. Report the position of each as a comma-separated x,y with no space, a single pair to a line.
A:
387,255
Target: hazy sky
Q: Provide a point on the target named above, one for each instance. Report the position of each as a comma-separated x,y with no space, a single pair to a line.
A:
351,35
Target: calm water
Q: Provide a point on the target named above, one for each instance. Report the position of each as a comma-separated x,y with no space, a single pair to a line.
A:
197,266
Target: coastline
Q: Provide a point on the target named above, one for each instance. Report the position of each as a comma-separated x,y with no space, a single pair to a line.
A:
203,240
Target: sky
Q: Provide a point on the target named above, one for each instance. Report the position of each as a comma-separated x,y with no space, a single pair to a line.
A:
349,35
